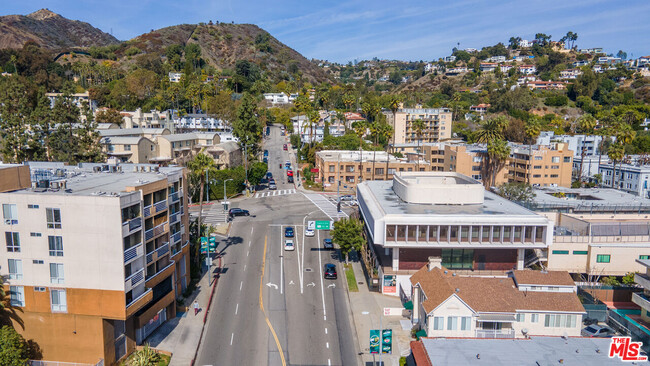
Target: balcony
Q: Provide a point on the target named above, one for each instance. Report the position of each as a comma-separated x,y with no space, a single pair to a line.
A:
159,229
133,252
148,211
139,302
150,257
148,235
164,249
160,206
131,225
173,197
154,279
495,334
176,237
642,280
133,280
174,218
641,299
185,244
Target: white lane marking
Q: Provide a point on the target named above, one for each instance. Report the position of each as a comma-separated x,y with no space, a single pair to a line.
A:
231,338
327,344
257,195
244,267
329,362
236,309
240,285
281,274
248,252
324,317
252,232
325,330
300,274
320,268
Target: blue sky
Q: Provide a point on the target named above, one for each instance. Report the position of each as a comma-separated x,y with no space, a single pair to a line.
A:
407,30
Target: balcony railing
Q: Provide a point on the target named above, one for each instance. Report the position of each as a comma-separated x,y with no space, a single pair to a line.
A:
150,257
174,218
175,249
160,206
148,235
171,263
147,211
185,244
133,223
173,197
641,299
133,280
159,229
492,333
133,252
164,249
176,237
138,298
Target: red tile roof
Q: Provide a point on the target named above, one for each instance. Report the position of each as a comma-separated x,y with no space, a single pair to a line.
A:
420,354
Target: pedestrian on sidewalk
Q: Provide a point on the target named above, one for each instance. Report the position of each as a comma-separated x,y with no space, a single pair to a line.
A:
196,307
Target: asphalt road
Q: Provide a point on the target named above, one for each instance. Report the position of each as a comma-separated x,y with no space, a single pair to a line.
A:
271,306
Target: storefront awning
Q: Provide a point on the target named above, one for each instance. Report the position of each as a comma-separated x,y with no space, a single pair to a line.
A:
496,318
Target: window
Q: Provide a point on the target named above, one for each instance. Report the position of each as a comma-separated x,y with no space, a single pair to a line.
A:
10,214
53,218
35,234
56,246
379,171
560,321
32,206
438,323
56,273
603,258
127,147
331,168
521,317
17,295
644,257
39,289
452,323
554,175
567,159
13,242
560,252
555,167
458,258
580,252
59,301
38,261
465,323
538,158
555,159
537,167
534,318
15,269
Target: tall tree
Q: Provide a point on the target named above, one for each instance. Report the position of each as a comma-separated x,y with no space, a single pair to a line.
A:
247,127
89,148
198,166
616,153
348,235
533,129
13,348
491,133
8,313
418,126
360,129
14,119
109,115
394,104
386,132
586,124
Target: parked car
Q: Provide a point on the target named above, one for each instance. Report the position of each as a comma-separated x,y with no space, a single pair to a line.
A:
597,331
269,175
266,153
347,197
289,173
288,232
329,272
272,186
284,147
264,181
288,244
265,159
237,212
289,179
327,244
310,232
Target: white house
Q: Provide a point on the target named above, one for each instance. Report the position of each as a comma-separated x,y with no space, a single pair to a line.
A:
497,59
175,77
524,43
488,66
276,98
451,58
524,303
527,69
570,74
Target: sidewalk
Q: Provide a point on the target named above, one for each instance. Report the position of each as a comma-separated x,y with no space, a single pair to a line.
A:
181,336
367,309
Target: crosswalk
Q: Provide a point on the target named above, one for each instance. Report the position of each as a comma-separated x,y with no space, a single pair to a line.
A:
325,205
215,215
279,192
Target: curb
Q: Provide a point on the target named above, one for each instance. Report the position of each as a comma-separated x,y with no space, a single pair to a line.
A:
351,316
207,311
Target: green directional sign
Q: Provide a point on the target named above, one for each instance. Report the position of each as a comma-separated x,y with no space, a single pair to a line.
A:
374,340
323,225
387,341
204,245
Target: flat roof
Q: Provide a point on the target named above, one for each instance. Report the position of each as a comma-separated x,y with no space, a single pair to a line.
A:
573,351
586,196
391,204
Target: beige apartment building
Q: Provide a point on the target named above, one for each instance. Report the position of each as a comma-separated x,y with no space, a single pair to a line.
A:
541,165
438,123
352,167
95,256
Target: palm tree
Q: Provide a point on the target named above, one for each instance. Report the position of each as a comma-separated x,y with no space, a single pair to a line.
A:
198,167
386,132
313,117
13,60
498,152
533,129
8,313
374,132
489,133
616,152
360,129
418,126
394,104
586,125
624,136
348,100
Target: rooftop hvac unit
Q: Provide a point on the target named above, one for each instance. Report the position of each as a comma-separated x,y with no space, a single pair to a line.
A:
54,185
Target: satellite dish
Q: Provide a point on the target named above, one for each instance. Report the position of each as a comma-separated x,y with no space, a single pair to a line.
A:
524,331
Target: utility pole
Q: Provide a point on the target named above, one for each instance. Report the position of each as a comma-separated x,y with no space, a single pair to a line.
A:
207,183
225,199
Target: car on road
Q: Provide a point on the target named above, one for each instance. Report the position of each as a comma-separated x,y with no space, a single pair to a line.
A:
347,197
264,181
266,153
238,212
284,147
309,232
327,243
269,175
289,179
289,173
265,159
597,331
329,272
288,232
272,186
288,244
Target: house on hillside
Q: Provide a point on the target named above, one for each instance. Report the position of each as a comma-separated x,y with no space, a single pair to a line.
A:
527,69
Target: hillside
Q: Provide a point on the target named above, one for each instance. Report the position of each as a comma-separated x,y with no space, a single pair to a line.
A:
223,44
51,31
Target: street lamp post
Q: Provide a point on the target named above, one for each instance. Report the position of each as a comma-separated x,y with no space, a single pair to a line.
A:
207,185
225,198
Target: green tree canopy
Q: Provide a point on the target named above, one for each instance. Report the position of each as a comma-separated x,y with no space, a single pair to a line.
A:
348,234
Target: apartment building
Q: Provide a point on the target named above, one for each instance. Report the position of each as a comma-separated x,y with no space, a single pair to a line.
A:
96,256
78,99
448,216
438,122
579,144
629,177
352,167
201,122
152,119
131,149
518,305
540,165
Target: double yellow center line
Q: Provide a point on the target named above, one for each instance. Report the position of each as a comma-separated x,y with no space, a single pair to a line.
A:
268,322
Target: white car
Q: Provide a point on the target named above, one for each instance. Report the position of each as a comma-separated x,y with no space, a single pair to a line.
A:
309,232
288,244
